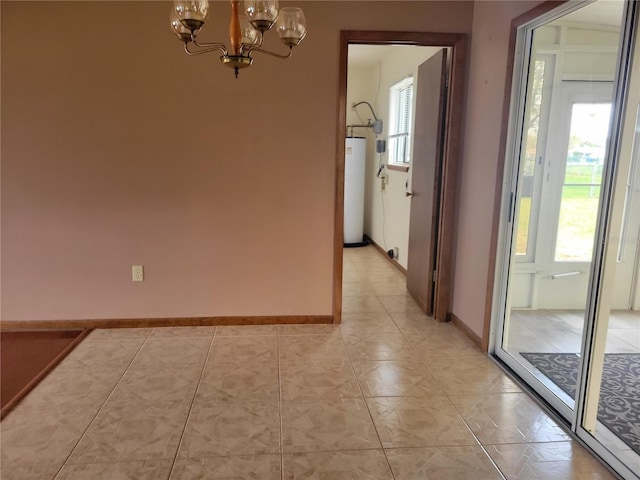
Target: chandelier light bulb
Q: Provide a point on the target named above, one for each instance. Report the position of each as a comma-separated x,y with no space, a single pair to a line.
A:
182,32
192,13
250,36
291,26
261,14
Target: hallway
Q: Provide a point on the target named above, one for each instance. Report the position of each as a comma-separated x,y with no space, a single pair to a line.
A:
389,394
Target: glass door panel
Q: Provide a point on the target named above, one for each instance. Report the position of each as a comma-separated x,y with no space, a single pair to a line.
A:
582,180
557,193
567,310
612,398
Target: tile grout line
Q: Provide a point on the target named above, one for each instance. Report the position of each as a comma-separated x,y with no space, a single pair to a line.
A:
195,394
101,408
366,404
495,465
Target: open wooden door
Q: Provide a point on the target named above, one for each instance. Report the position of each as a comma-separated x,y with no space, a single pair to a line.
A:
431,92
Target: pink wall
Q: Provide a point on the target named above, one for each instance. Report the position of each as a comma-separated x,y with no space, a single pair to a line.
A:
118,149
477,183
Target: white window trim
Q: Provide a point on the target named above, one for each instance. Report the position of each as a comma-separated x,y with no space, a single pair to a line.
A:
400,122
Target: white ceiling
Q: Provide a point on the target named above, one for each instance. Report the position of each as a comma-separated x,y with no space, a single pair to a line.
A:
368,55
602,12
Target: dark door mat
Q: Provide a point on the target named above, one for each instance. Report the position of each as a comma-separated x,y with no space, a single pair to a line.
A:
26,357
619,405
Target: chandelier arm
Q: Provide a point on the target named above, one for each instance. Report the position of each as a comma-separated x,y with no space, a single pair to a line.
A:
273,54
207,45
247,49
206,50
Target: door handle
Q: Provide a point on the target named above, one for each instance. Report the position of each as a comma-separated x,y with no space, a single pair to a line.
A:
408,194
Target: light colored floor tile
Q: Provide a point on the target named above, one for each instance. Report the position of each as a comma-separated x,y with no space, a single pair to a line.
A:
178,332
319,329
385,346
318,380
544,461
409,323
418,422
443,343
248,467
366,304
442,463
102,355
396,287
141,470
33,435
77,387
395,378
345,465
363,324
312,349
239,381
385,276
354,276
507,418
171,352
327,425
35,472
132,432
356,289
247,331
470,375
231,428
399,304
146,385
258,349
120,333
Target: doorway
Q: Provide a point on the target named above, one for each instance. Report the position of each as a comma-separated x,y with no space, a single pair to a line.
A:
446,194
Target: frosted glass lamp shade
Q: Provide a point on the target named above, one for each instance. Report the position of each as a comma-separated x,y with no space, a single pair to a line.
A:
191,13
250,36
291,26
182,32
261,14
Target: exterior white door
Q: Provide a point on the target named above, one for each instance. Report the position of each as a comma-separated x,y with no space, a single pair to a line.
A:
553,270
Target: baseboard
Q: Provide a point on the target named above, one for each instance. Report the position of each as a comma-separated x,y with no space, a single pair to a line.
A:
163,322
390,260
466,330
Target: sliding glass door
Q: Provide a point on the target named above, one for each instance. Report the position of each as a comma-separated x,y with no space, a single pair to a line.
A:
566,311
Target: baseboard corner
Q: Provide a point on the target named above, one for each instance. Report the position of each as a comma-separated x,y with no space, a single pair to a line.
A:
452,317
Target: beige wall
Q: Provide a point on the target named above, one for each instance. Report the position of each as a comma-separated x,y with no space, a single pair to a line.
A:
477,183
118,149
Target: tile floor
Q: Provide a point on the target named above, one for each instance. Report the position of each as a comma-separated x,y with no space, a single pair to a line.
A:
561,331
389,394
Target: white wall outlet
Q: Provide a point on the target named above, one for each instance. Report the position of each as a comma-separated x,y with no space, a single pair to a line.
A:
396,252
137,273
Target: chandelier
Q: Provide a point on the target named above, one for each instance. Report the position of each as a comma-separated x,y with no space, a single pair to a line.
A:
246,30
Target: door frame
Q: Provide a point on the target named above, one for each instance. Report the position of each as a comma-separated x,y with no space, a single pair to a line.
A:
452,153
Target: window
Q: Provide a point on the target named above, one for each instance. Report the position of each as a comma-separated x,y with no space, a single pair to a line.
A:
400,113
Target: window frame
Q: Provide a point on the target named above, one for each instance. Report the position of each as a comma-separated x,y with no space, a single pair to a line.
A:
400,121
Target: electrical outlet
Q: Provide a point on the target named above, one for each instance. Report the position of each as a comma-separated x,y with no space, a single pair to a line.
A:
137,273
